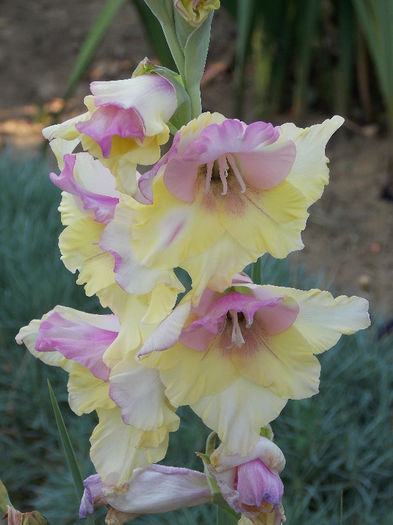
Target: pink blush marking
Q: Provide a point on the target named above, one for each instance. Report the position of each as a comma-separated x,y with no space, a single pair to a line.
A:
83,343
108,121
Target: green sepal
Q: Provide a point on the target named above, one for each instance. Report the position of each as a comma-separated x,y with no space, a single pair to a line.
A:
4,499
267,432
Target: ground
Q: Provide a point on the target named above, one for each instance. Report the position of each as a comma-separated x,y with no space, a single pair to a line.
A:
350,228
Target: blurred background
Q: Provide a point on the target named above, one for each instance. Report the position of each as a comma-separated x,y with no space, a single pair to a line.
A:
288,60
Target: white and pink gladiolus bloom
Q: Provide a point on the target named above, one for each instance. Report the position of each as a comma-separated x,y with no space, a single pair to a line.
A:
151,490
240,355
77,342
251,484
224,194
124,126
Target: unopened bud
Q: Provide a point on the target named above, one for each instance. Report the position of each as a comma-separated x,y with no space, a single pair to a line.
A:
196,11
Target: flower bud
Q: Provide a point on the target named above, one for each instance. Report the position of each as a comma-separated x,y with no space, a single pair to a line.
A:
196,11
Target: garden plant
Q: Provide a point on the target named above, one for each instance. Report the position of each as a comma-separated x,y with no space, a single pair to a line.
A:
170,214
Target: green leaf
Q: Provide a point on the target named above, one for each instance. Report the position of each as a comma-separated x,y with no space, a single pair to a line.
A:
4,499
195,54
226,518
68,450
91,42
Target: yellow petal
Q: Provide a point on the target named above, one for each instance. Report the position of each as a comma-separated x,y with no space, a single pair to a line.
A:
284,363
170,230
86,392
189,375
310,172
322,319
269,221
238,413
117,449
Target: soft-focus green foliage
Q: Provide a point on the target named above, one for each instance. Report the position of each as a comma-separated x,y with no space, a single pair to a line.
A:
376,20
304,52
338,443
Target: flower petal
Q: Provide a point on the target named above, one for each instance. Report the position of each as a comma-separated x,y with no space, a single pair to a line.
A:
139,393
256,484
151,96
160,489
81,342
309,172
238,413
117,449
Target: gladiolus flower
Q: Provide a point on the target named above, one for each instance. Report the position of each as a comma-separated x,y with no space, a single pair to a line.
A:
224,194
77,342
196,11
151,490
124,126
239,356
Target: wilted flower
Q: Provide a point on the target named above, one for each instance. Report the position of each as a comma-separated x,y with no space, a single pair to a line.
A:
151,490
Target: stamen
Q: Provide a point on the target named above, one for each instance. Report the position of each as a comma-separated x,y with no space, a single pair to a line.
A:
237,336
223,169
209,171
236,172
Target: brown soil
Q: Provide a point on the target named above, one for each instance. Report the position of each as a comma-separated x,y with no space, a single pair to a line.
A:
350,229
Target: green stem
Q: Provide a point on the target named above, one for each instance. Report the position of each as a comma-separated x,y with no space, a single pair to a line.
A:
195,97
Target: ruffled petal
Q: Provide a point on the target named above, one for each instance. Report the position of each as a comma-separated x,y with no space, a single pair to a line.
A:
117,449
310,172
151,96
189,375
87,393
238,413
139,393
322,319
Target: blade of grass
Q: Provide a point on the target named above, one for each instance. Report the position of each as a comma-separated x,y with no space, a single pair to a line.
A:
91,42
68,450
